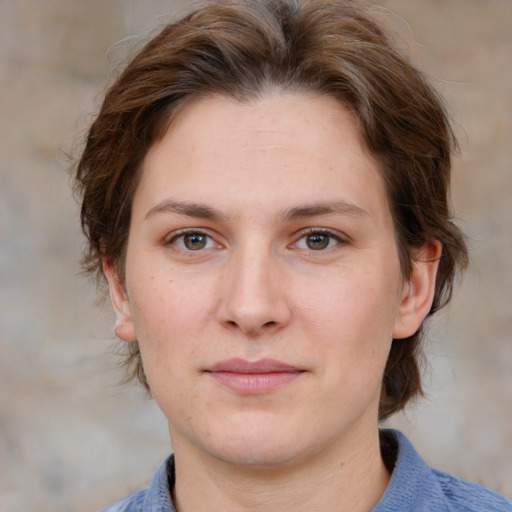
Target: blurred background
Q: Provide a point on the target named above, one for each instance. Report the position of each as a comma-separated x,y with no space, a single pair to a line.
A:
72,437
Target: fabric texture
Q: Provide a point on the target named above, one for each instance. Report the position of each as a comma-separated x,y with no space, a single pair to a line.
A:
414,487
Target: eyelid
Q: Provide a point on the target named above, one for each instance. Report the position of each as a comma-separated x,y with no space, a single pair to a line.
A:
184,231
339,237
175,235
323,231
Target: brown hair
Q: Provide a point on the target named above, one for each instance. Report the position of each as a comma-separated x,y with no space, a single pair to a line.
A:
241,49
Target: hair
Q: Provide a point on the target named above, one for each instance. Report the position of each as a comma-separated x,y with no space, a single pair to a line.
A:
242,49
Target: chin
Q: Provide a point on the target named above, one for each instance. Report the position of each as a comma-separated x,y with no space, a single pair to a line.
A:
260,446
262,456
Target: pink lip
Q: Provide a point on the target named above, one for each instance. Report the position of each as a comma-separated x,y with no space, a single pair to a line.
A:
256,377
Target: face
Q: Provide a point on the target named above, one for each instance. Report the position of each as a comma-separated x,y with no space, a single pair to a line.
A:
263,281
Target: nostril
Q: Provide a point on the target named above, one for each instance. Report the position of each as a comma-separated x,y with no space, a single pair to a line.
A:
269,324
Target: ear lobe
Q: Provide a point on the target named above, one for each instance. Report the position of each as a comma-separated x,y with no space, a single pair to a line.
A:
418,291
125,329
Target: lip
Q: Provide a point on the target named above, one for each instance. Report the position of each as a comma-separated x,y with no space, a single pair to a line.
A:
253,377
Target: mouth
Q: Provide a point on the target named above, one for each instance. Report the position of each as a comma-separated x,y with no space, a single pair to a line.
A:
252,378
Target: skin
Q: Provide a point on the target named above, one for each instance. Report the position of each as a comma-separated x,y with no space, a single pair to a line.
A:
249,279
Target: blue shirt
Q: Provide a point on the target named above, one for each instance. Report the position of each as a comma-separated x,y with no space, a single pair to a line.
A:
414,487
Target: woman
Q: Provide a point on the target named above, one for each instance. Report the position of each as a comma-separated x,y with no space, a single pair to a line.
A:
265,191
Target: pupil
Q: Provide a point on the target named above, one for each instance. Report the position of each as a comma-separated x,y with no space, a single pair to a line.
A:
195,241
317,242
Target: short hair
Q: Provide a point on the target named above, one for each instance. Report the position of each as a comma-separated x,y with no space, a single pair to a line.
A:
243,49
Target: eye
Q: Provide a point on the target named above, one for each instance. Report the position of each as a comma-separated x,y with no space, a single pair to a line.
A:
193,241
318,240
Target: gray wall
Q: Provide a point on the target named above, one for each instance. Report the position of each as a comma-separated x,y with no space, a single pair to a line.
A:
72,438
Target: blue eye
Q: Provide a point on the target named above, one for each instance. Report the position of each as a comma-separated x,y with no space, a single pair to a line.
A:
318,241
193,241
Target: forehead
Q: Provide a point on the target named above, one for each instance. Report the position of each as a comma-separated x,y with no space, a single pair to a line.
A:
269,118
282,145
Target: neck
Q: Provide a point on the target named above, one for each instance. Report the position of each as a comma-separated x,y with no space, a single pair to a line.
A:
351,478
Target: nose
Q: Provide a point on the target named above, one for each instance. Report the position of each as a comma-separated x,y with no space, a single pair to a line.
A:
254,299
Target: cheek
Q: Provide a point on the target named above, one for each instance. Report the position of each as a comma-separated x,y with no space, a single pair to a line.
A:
169,315
352,320
355,302
166,302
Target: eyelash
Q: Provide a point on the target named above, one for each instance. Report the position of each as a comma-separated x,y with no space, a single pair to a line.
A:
184,232
209,240
322,232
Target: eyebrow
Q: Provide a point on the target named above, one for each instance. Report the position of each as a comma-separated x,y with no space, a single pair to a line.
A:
185,208
203,211
345,208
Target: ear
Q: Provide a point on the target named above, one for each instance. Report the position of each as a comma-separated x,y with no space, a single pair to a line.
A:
418,291
125,329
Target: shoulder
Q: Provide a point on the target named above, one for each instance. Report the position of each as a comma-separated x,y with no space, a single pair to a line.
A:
416,487
155,498
467,496
132,503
